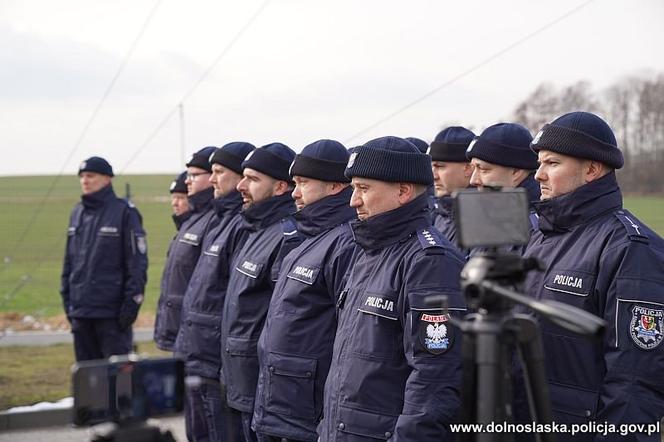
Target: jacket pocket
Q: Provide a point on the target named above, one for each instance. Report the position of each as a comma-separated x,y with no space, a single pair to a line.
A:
291,388
573,404
204,336
361,425
241,370
172,314
377,328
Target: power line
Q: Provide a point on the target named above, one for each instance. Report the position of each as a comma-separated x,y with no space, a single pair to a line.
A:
196,84
83,133
26,278
470,70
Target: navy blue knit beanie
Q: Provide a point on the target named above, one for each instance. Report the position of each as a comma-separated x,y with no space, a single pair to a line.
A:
96,165
232,155
420,144
323,160
178,185
391,159
450,145
201,159
506,144
581,135
272,159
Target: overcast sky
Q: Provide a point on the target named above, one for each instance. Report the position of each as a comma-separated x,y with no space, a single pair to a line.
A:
303,70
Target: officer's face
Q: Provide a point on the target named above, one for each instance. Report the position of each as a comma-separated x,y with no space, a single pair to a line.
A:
92,182
559,174
308,191
255,187
489,174
449,177
373,197
197,179
224,180
179,203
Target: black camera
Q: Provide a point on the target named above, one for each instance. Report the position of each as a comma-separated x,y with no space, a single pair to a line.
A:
126,389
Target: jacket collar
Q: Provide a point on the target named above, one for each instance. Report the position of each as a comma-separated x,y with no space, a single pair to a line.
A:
268,212
99,198
393,226
229,204
178,220
561,213
200,201
325,213
445,206
532,187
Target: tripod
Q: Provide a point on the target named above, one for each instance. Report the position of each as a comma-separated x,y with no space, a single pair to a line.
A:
493,335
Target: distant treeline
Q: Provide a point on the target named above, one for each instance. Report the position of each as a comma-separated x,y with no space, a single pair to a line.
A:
633,106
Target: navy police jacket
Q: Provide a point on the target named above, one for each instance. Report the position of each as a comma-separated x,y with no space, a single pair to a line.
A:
254,271
602,259
200,331
183,253
396,366
106,258
295,347
444,218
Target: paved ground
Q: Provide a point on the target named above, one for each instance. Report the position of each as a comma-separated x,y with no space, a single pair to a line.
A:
70,434
59,337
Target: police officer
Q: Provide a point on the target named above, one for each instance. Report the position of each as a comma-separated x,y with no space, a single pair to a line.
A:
598,257
105,266
207,416
451,172
295,347
267,206
179,202
396,364
501,156
185,248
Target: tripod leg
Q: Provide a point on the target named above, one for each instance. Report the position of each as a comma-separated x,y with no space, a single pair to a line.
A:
469,386
532,355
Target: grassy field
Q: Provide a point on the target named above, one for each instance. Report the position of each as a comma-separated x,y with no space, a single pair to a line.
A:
32,233
47,376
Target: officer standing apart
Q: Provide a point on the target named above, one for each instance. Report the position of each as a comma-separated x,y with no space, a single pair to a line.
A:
267,206
602,259
396,365
451,172
501,156
179,202
295,347
185,248
207,416
105,266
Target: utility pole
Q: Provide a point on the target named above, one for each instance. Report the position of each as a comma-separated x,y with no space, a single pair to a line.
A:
183,160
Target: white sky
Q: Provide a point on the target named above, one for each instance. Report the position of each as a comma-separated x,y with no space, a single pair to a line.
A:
304,70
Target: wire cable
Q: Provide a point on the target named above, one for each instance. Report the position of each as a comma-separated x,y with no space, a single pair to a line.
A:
469,70
84,132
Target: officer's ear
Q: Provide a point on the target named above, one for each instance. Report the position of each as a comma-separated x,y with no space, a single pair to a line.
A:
467,170
407,192
281,187
594,170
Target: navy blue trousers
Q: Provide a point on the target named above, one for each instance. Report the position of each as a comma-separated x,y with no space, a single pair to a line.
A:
99,338
207,416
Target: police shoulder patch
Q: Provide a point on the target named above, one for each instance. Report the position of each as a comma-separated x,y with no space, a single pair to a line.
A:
632,226
430,238
436,334
646,326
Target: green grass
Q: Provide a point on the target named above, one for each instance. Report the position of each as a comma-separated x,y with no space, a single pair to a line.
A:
33,231
29,282
35,374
